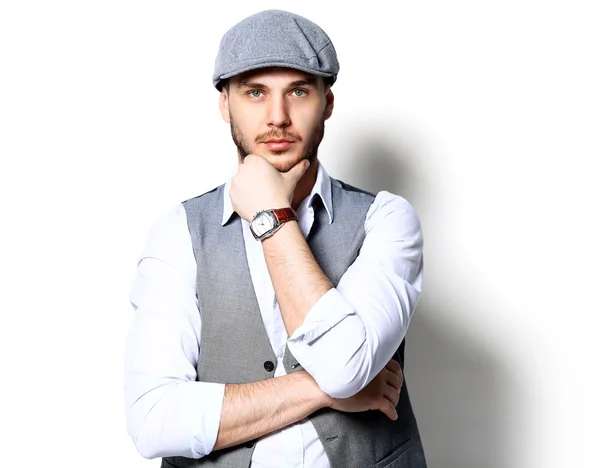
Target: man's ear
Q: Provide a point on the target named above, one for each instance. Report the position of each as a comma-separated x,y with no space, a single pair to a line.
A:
329,99
224,105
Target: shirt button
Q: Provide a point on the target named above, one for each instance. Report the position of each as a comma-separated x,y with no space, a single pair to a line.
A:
269,366
250,444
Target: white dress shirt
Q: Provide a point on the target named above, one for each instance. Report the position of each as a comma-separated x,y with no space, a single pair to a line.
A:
361,323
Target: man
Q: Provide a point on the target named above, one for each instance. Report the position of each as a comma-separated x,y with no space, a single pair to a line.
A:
271,311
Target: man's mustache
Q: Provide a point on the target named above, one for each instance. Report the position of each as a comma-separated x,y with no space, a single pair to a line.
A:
278,136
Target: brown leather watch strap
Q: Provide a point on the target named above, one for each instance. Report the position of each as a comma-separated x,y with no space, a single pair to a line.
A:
285,214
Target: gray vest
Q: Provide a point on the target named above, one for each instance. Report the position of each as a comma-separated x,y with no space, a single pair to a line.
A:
235,347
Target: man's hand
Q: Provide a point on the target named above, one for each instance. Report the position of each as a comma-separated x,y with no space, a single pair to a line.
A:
259,186
381,394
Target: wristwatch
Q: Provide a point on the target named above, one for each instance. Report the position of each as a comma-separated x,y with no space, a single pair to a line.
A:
265,223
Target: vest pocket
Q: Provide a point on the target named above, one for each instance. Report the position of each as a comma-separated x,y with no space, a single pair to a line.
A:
394,459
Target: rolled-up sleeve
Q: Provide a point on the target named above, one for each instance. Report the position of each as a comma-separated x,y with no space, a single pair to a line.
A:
353,330
168,412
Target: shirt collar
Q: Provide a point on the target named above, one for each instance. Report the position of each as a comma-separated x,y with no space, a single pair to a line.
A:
322,188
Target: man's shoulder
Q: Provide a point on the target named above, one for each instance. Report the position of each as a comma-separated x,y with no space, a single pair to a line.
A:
381,203
205,209
344,187
207,196
380,197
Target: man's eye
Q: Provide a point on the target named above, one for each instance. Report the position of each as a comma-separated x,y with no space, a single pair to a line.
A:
255,93
299,92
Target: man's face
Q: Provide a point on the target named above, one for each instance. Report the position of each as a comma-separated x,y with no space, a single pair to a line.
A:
277,113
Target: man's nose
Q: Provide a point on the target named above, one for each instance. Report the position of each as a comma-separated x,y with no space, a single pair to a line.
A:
279,115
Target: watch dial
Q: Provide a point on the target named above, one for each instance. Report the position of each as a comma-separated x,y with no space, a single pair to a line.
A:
263,223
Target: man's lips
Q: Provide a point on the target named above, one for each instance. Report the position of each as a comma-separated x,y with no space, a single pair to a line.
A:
278,145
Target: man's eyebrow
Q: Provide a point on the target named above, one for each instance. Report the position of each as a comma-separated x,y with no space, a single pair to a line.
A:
294,84
305,82
251,84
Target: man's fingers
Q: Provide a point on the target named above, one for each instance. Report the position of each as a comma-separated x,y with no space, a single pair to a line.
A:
296,172
388,409
394,366
391,394
251,159
394,380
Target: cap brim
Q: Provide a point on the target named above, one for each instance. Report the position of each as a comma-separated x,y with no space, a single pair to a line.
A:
256,66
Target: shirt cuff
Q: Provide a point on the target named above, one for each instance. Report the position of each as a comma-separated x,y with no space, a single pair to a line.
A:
207,425
325,314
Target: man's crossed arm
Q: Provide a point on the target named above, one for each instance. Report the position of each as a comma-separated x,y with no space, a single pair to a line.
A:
255,409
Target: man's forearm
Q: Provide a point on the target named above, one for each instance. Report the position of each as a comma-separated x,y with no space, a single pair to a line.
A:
258,408
297,279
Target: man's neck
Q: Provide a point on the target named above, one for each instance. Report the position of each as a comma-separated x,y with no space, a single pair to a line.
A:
305,184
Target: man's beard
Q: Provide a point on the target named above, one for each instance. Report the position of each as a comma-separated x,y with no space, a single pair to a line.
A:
309,152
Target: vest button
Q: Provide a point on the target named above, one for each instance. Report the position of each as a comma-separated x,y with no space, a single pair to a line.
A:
269,366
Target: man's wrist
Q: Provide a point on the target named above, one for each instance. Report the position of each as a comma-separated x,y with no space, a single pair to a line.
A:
321,398
280,237
267,222
275,204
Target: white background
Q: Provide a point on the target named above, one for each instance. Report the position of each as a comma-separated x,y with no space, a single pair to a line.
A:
485,115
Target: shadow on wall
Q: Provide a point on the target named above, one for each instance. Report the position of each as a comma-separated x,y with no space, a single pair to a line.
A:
457,387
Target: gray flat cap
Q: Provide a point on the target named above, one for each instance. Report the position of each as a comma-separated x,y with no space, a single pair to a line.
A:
275,38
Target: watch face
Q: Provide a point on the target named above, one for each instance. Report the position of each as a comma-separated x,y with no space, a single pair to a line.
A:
262,223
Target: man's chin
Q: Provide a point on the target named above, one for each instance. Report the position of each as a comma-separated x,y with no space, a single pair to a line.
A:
281,161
